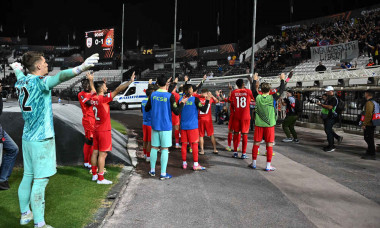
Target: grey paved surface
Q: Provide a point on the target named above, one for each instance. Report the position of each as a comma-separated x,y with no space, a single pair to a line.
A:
311,188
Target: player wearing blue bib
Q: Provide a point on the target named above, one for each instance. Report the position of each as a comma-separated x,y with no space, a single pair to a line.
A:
147,126
189,125
161,103
38,143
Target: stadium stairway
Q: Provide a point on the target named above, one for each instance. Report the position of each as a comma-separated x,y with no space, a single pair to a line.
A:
69,135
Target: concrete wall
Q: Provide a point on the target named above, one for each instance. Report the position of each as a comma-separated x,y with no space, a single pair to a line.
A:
69,136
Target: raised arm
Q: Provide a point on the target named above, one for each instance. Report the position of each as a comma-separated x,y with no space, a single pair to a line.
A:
173,85
90,78
282,87
17,69
123,86
176,109
199,86
255,85
65,75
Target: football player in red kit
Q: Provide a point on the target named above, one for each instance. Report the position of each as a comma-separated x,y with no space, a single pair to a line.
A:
189,125
88,120
102,136
240,100
205,121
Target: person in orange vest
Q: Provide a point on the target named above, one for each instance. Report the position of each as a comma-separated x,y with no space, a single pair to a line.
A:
371,63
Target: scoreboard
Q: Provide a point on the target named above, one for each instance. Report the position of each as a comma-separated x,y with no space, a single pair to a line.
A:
100,41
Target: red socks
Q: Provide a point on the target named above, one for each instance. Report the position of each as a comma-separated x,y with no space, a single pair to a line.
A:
255,151
229,138
245,141
236,141
93,169
101,176
194,146
184,151
176,135
86,151
269,153
148,154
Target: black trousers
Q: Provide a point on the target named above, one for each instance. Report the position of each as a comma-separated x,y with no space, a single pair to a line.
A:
369,137
328,124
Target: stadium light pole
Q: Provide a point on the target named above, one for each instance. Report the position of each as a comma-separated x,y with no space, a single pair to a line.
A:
175,37
122,45
253,37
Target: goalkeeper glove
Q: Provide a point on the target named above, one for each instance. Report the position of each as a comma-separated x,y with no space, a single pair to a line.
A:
88,63
16,66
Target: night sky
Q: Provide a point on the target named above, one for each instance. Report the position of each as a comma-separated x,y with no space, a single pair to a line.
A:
153,20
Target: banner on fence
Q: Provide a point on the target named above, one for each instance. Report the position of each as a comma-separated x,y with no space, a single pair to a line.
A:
341,51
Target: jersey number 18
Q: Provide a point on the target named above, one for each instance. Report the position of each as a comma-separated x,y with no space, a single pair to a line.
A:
241,102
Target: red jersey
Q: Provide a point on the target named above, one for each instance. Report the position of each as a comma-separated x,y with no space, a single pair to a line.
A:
88,113
205,115
240,100
196,95
102,112
176,96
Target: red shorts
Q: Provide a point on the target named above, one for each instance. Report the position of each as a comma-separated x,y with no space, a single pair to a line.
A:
147,133
230,124
175,120
102,141
89,129
191,136
264,132
205,125
241,125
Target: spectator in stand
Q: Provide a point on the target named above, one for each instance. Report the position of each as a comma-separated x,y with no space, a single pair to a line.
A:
345,65
375,52
371,63
320,67
367,126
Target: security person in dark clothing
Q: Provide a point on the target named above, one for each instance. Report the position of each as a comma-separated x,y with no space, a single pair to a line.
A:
329,117
367,125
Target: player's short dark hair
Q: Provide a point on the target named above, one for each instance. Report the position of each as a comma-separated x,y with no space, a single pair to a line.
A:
187,87
239,83
85,83
30,58
291,92
204,90
180,89
161,80
98,85
194,88
149,91
370,92
265,87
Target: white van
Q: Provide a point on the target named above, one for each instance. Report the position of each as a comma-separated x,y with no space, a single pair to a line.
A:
132,96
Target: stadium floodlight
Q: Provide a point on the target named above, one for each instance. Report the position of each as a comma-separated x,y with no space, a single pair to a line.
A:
175,36
122,45
253,37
